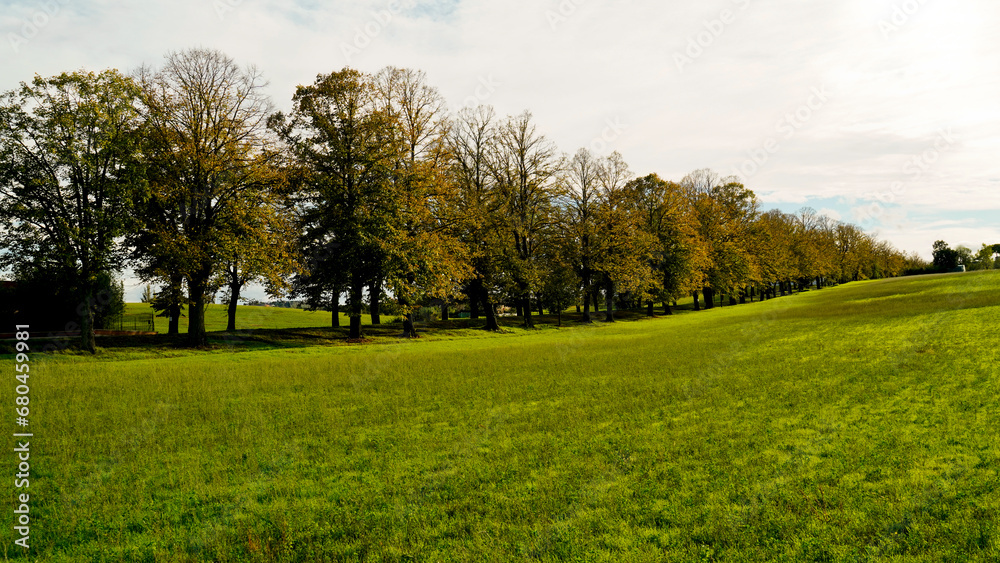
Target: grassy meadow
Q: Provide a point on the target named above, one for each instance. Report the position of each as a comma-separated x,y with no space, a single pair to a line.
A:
855,423
249,317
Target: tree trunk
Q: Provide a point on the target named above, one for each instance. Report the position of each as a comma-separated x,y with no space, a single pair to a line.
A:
335,309
526,309
355,327
473,303
174,324
375,300
444,312
518,311
197,335
88,337
235,285
491,314
586,308
355,302
174,309
649,309
559,317
709,297
481,297
697,306
609,301
234,298
732,300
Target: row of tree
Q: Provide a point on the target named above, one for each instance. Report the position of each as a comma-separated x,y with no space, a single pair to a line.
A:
369,191
947,258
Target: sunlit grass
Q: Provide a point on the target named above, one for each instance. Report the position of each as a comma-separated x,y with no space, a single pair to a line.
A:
249,317
855,423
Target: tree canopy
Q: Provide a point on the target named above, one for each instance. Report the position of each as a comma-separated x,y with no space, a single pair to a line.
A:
370,189
70,173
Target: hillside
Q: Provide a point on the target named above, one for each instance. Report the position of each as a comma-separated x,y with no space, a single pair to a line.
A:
855,423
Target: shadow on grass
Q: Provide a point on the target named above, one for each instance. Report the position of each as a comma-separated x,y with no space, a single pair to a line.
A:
306,337
891,302
900,305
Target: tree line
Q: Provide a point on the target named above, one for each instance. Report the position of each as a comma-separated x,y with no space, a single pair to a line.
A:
946,258
369,194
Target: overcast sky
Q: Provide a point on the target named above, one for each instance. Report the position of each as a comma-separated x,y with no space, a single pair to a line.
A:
884,113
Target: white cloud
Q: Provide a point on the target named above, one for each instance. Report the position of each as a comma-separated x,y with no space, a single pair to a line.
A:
888,97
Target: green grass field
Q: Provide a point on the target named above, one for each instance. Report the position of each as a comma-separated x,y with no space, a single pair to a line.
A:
856,423
250,318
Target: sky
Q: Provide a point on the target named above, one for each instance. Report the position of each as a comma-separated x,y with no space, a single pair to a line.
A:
883,113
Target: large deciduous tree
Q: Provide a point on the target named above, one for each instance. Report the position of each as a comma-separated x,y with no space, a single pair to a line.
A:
432,263
346,142
470,142
624,249
579,220
945,258
726,213
523,165
679,254
258,245
211,160
69,174
372,188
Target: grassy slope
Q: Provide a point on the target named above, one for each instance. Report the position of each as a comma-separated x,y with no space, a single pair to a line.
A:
250,318
853,423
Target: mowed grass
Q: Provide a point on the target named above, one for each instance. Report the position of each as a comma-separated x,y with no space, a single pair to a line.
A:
249,318
856,423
